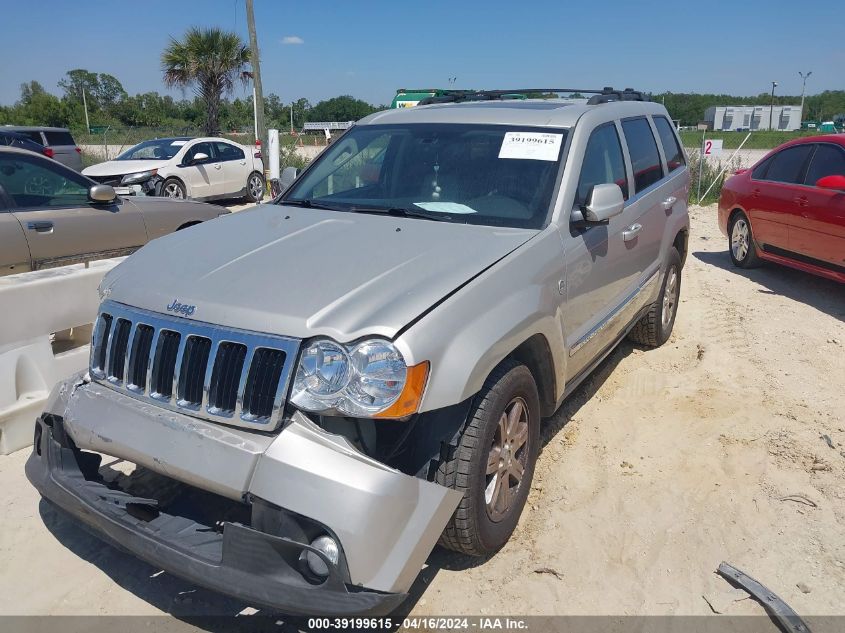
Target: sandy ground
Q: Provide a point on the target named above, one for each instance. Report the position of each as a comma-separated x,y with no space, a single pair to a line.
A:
663,464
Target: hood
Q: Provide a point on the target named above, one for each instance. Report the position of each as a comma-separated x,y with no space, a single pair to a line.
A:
122,167
307,272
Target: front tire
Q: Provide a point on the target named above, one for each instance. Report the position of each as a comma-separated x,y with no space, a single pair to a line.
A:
173,188
656,326
255,187
741,242
493,464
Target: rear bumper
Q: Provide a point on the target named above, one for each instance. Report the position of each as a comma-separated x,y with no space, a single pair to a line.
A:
245,563
385,522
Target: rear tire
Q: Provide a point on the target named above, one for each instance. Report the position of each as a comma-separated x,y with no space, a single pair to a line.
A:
656,326
498,448
255,187
741,242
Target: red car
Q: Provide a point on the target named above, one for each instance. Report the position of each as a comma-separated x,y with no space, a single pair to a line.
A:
790,208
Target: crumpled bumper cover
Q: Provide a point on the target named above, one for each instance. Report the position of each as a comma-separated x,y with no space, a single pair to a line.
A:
251,565
384,521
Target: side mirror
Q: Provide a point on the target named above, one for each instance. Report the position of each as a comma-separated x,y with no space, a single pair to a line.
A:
605,201
199,157
289,174
102,193
832,182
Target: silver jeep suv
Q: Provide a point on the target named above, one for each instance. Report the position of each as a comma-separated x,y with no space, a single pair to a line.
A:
306,397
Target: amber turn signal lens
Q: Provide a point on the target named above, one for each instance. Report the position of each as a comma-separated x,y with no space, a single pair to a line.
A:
409,400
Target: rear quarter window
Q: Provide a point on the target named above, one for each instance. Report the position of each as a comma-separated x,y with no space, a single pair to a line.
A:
59,138
671,148
33,135
645,159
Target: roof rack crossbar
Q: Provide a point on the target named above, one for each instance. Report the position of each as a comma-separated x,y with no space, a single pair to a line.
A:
605,95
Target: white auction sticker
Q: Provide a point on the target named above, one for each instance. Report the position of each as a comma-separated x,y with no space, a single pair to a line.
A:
531,145
178,143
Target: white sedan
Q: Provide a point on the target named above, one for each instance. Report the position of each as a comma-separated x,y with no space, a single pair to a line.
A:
197,168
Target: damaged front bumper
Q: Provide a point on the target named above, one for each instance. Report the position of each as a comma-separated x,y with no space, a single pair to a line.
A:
282,490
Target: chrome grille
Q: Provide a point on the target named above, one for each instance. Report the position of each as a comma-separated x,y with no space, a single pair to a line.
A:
225,375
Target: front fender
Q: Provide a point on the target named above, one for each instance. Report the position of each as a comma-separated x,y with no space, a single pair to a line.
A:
471,332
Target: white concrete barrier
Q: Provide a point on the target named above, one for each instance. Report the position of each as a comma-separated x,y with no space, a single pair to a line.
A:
45,329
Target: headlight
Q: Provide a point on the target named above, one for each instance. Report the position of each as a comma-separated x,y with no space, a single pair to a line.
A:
141,176
368,379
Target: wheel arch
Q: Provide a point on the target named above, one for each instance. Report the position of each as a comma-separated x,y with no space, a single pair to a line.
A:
536,354
181,181
681,244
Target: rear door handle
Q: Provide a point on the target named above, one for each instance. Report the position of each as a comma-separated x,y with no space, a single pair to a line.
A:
631,232
755,192
218,166
801,201
40,227
669,202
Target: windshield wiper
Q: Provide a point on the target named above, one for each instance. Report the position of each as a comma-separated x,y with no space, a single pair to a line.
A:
402,212
311,204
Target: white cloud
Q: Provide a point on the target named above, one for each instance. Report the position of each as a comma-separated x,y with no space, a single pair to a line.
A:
292,39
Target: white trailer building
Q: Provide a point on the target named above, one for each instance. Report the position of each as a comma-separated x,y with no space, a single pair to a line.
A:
726,118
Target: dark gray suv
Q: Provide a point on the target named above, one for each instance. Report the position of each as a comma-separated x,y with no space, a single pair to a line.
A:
57,141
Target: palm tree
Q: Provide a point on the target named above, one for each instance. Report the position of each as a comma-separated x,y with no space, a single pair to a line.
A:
209,59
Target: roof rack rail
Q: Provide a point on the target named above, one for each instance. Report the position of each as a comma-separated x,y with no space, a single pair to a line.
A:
605,95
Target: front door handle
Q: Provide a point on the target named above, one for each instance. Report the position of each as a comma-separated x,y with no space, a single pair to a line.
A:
801,201
669,202
631,232
42,226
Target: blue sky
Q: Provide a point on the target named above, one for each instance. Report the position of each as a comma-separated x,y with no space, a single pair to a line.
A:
369,49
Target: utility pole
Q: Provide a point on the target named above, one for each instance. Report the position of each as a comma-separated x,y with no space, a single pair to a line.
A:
85,107
291,118
803,88
772,106
258,103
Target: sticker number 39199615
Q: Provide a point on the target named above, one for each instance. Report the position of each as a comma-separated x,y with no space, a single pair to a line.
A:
531,145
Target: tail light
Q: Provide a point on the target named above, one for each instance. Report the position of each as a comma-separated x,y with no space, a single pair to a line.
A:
78,150
48,152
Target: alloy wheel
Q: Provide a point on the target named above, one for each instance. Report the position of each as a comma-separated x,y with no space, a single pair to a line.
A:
670,297
740,240
256,187
506,461
173,190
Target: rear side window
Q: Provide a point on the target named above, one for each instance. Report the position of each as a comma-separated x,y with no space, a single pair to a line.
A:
603,163
33,135
645,159
828,160
59,138
674,155
788,166
229,152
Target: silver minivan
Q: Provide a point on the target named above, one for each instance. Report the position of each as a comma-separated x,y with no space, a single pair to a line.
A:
57,141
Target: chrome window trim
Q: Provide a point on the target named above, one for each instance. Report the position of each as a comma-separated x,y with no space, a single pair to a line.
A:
187,328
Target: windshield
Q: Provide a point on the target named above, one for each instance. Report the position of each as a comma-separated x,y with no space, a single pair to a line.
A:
476,174
159,149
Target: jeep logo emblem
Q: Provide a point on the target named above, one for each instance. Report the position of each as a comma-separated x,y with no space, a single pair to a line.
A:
181,308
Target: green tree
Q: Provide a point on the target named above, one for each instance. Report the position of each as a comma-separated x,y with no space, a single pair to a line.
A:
210,60
76,81
343,108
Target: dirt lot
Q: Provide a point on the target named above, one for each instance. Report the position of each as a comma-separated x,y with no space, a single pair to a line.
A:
663,464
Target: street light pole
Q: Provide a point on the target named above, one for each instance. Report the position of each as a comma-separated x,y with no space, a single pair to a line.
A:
803,88
772,106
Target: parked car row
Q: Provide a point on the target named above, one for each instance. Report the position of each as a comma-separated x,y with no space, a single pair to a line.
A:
54,142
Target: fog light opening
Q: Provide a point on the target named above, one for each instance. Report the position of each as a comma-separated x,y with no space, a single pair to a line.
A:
327,546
